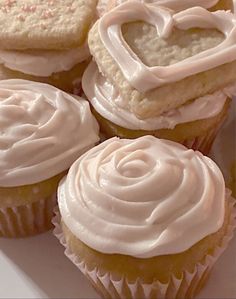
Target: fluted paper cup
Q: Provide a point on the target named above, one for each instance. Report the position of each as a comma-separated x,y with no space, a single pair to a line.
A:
27,220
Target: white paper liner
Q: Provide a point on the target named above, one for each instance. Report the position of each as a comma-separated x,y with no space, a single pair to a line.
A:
203,143
27,220
185,287
77,86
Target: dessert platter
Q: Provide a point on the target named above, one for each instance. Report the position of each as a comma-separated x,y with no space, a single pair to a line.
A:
117,149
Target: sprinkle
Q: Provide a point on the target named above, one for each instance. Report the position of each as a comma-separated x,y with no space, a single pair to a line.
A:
51,2
70,4
9,3
28,8
21,18
47,14
5,9
43,26
72,9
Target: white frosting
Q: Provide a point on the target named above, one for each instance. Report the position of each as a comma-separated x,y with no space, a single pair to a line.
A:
177,5
143,197
108,103
144,78
43,63
43,131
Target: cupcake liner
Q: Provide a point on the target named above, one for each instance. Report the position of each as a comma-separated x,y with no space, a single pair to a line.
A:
185,287
204,142
27,220
77,86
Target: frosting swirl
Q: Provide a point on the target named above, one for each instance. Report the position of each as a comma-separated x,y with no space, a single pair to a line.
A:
143,197
144,78
43,63
43,131
109,103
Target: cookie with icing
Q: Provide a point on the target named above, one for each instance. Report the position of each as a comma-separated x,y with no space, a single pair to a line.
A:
45,40
47,24
185,52
160,72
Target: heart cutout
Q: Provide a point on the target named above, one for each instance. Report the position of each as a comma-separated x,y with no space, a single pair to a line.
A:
145,78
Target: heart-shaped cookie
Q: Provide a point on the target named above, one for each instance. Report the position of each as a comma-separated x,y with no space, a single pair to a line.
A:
158,59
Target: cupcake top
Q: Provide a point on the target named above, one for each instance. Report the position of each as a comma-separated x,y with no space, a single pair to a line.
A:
143,197
43,130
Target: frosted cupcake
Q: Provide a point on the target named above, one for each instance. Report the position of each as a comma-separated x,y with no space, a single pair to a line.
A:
175,85
144,218
106,5
45,41
42,132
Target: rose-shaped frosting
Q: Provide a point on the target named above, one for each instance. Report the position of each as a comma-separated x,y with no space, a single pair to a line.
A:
43,63
143,197
43,131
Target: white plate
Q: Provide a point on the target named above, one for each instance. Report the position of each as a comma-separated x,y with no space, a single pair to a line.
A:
37,268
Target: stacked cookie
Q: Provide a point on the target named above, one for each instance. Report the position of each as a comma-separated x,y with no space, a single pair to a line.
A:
161,72
45,41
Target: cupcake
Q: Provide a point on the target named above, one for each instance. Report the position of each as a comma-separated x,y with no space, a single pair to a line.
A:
43,130
175,85
45,41
106,5
144,218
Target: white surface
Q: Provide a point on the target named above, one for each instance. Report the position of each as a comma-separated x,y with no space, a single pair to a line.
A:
37,268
